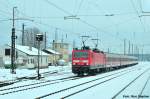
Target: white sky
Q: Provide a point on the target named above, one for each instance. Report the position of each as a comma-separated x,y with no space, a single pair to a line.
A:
125,24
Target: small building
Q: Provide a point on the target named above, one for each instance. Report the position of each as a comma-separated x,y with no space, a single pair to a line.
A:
63,49
26,57
53,56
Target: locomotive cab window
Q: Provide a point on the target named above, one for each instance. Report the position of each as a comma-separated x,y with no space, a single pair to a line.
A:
81,54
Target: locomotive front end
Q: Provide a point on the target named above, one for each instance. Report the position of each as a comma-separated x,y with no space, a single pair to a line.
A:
80,61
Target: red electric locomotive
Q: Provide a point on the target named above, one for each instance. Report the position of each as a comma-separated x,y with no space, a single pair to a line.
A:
86,60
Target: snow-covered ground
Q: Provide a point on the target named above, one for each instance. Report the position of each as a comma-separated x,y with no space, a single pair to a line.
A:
6,75
105,90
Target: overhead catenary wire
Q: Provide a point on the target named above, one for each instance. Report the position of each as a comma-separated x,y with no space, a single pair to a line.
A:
81,2
5,12
81,15
83,21
66,13
53,4
42,23
39,22
99,8
7,6
47,25
140,3
103,15
138,15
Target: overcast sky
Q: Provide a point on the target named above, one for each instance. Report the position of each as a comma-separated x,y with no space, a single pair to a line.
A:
112,20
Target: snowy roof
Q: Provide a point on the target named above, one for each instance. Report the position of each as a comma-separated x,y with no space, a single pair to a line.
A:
52,51
26,50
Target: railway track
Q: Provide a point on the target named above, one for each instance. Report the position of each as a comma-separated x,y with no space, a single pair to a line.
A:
10,82
46,83
39,84
26,78
140,94
84,83
119,92
42,84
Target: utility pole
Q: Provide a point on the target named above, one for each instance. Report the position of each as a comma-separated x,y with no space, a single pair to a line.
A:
129,48
137,51
108,50
23,35
56,36
142,54
132,50
124,46
45,41
74,44
62,41
13,37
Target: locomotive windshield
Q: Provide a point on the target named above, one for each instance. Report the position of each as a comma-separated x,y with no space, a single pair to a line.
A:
80,54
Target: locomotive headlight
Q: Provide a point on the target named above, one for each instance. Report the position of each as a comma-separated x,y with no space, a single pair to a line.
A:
75,60
85,61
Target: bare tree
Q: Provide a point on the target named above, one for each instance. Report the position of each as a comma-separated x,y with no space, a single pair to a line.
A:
30,37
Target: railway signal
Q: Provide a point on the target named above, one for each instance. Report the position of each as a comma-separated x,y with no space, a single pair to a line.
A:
39,38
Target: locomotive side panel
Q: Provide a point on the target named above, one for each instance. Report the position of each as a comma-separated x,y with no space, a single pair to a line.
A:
97,60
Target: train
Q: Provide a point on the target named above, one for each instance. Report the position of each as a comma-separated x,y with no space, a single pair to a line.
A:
92,61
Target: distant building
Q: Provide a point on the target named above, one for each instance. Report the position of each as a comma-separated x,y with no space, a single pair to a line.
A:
53,56
63,49
26,57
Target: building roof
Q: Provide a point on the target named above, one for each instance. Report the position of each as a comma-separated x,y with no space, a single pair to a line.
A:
33,52
52,51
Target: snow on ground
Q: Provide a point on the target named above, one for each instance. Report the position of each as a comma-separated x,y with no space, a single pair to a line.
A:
109,89
147,89
6,75
104,91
